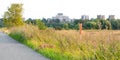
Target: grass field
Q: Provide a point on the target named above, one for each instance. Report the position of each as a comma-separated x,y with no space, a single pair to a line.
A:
69,44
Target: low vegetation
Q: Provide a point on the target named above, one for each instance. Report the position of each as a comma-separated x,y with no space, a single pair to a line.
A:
69,44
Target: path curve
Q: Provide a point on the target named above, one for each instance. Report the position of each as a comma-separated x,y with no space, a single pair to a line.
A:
12,50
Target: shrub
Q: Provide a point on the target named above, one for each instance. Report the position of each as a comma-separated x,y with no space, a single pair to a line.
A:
40,25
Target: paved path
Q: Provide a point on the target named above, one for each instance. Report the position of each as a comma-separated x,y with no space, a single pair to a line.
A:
12,50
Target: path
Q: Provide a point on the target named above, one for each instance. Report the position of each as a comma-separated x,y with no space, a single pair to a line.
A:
12,50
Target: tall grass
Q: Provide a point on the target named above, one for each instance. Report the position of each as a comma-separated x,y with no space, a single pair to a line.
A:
69,44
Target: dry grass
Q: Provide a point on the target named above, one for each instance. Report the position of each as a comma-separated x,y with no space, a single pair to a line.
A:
70,45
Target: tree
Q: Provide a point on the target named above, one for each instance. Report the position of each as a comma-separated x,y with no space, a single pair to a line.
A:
13,17
115,24
77,26
65,26
40,24
31,21
44,20
1,23
105,24
91,25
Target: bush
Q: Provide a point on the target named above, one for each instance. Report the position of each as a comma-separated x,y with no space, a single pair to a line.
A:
91,25
40,25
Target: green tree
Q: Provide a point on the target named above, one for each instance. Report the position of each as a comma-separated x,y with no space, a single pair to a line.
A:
77,26
115,24
44,21
31,21
1,23
13,17
40,24
65,26
105,24
91,25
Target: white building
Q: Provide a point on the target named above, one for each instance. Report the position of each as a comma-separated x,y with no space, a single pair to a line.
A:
111,17
101,17
85,17
62,18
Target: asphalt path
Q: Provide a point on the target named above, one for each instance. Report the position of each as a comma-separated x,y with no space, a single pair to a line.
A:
13,50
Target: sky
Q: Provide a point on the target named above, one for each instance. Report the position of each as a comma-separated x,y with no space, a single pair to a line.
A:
72,8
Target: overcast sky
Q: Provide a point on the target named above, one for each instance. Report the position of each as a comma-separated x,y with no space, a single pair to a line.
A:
71,8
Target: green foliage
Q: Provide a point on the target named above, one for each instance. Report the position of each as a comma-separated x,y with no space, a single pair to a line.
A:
91,25
87,24
36,22
40,24
31,21
18,36
105,24
13,17
71,25
54,23
1,23
115,24
76,26
44,21
53,55
65,26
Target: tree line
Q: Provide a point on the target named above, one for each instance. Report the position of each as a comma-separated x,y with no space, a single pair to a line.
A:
87,24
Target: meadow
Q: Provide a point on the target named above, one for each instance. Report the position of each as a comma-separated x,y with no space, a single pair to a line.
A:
69,44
